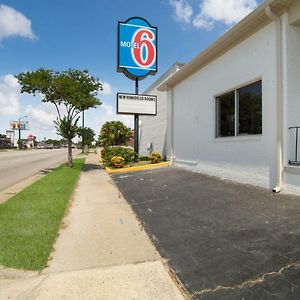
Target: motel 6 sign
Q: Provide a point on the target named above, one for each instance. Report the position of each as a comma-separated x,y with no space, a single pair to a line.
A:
137,48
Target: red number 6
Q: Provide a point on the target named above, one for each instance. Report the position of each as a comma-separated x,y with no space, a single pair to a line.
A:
142,39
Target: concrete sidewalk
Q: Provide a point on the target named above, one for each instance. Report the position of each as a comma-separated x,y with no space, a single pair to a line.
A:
101,252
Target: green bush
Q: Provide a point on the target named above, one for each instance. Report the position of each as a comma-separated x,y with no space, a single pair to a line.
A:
114,133
108,153
117,161
144,158
155,157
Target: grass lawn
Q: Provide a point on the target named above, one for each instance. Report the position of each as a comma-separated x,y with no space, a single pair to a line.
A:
29,221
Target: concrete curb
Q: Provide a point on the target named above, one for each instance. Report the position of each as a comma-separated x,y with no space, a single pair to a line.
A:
137,168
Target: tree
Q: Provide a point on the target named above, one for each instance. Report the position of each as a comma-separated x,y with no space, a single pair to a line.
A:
114,133
70,91
88,135
54,142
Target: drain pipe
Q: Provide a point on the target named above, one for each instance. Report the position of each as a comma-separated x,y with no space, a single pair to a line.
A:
172,127
279,101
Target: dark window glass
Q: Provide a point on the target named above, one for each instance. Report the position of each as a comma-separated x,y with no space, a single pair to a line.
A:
226,115
250,109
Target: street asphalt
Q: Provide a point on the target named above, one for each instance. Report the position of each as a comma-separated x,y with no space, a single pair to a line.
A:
222,239
18,165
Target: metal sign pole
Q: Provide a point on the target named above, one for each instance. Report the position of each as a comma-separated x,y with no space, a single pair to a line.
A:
19,141
136,126
82,133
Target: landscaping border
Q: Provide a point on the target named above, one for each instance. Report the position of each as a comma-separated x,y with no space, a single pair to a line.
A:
138,168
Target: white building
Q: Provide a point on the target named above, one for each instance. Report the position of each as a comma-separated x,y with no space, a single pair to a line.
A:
153,129
230,108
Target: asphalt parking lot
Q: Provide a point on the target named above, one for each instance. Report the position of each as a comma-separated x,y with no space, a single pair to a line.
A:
224,240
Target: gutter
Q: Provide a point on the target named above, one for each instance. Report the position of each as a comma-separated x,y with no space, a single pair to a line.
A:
279,99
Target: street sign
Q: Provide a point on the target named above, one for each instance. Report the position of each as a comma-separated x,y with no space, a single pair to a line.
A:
136,104
137,48
22,125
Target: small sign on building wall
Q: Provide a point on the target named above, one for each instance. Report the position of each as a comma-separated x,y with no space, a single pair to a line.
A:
136,104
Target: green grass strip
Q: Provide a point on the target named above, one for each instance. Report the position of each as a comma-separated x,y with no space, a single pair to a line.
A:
29,222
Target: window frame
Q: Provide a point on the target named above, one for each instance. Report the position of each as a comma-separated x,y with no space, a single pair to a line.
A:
236,114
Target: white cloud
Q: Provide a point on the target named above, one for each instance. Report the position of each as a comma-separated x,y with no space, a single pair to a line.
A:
228,12
210,12
201,22
41,119
9,95
107,90
13,23
42,116
108,114
183,10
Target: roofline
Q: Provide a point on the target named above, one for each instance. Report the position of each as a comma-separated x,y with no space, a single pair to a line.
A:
256,20
172,70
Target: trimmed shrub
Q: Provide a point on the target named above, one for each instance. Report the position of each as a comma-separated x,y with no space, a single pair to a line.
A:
108,153
117,161
144,158
155,157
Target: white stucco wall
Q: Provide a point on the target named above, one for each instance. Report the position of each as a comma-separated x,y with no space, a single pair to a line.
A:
249,159
292,93
153,128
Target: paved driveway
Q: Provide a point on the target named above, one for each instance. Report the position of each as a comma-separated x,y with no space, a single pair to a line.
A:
224,240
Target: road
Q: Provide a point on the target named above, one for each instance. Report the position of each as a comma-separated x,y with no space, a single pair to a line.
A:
16,166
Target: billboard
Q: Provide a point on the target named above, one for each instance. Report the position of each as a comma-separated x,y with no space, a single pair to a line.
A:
137,48
10,134
136,104
22,125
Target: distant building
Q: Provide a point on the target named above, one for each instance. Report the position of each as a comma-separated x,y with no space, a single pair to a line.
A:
5,143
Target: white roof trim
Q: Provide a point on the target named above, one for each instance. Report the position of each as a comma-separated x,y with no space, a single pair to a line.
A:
171,71
246,27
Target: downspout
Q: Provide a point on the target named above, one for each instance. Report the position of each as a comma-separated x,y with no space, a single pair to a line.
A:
279,99
172,127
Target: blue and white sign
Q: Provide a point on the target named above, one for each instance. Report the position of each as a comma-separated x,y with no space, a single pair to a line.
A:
137,48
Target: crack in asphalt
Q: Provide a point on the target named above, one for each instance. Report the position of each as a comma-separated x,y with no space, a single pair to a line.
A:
248,283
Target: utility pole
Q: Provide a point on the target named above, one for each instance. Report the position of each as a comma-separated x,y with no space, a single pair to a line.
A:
19,141
82,133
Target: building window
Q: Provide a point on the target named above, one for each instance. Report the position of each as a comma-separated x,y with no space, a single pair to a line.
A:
240,111
226,115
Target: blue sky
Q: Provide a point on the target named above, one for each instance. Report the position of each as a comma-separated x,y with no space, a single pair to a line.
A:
62,34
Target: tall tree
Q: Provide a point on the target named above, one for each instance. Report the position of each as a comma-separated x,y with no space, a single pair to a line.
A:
88,135
70,91
114,133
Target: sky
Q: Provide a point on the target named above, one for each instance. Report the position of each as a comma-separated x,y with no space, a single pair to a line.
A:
82,34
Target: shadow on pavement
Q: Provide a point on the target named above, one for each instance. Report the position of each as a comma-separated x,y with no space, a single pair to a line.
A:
90,167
